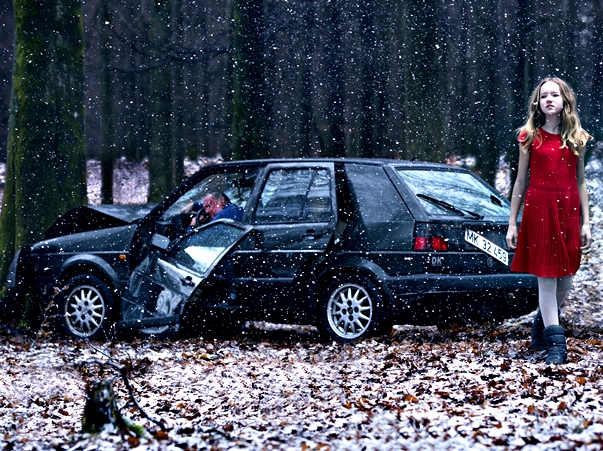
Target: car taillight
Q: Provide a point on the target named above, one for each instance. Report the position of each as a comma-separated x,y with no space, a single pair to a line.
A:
430,243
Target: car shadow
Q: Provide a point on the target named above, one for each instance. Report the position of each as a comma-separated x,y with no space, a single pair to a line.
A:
278,333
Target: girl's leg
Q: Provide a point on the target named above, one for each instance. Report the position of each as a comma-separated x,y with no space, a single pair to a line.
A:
547,300
564,285
549,291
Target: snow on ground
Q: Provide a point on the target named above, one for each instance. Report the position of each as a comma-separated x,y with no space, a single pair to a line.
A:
281,388
584,308
285,390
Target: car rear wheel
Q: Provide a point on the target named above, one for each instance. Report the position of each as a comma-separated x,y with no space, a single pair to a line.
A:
352,308
86,307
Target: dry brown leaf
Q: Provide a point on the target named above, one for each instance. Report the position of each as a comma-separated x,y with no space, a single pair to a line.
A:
411,398
133,441
161,435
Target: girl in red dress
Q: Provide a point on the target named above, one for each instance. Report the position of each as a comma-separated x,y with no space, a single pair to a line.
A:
555,225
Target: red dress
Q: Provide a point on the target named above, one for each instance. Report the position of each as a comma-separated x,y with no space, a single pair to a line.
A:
548,244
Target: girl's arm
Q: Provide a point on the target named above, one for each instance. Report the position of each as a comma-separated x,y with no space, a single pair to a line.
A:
585,235
519,189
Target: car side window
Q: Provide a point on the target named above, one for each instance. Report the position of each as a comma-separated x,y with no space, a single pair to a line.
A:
295,195
236,185
201,249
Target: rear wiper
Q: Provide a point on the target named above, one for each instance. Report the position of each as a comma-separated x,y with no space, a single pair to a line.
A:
448,206
495,200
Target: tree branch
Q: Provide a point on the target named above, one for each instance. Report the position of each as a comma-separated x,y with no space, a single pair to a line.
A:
123,372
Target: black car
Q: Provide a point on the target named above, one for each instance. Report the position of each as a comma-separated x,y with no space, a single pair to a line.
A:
351,246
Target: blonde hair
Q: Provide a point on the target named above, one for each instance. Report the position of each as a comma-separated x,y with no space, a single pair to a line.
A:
570,129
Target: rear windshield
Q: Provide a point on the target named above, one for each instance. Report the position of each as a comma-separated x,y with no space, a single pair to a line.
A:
454,193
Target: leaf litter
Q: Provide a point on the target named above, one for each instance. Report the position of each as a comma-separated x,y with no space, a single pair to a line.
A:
273,387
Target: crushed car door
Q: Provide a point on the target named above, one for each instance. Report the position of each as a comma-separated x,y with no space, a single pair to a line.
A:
295,212
171,272
173,215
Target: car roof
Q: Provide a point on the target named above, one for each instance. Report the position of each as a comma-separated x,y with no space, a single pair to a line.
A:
363,161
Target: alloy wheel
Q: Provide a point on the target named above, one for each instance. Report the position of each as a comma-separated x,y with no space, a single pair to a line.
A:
350,311
84,311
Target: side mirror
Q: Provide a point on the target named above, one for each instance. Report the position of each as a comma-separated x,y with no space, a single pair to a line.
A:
160,241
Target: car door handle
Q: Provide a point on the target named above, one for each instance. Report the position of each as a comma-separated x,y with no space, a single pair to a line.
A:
188,281
311,234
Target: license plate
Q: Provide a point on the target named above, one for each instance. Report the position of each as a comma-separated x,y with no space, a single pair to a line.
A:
487,246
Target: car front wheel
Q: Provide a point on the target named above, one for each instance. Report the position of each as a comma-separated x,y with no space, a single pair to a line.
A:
86,307
352,308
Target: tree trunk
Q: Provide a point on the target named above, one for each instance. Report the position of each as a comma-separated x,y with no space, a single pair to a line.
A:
596,111
160,160
178,103
424,82
306,124
107,124
335,141
46,164
523,80
485,137
373,78
249,100
458,44
368,42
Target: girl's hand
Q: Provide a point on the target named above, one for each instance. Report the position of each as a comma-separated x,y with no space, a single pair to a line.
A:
585,237
512,237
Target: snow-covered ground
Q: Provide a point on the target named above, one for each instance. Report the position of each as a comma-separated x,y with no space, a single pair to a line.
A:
280,388
584,307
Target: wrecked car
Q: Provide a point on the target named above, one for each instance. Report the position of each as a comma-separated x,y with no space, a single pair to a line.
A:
352,246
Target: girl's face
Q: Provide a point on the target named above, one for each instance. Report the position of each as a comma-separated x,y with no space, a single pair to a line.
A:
551,102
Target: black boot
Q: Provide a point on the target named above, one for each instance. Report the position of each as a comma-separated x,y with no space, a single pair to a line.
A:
556,347
538,343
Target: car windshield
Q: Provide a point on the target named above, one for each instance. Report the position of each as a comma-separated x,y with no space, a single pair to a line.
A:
454,193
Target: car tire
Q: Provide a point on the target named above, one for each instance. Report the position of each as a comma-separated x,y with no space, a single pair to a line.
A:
86,308
351,308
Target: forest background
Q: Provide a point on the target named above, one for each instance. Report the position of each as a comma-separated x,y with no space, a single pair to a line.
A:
426,79
384,78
